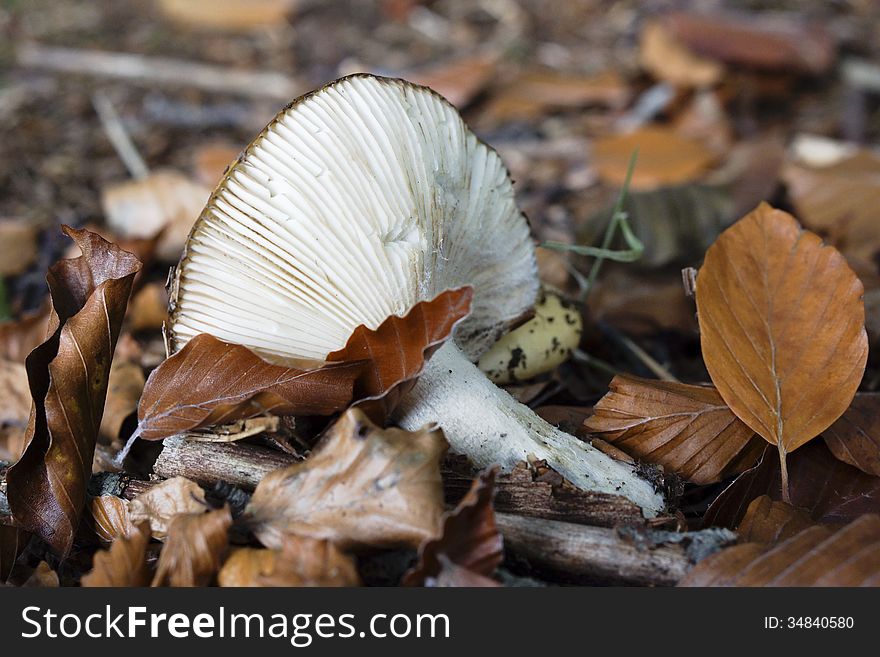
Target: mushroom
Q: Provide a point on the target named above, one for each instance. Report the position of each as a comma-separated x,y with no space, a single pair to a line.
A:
355,203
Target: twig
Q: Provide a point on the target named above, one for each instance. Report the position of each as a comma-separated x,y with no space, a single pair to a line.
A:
118,136
656,368
159,70
598,555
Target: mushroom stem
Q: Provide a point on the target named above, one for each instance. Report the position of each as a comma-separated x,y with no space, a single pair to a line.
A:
485,423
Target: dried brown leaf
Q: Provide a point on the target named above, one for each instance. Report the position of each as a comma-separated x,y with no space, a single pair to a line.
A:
165,201
469,539
782,43
228,14
830,490
124,564
161,503
19,337
855,437
768,521
301,562
212,382
194,549
665,158
109,516
15,409
68,379
668,59
148,309
396,352
782,327
460,80
816,556
42,577
687,429
362,486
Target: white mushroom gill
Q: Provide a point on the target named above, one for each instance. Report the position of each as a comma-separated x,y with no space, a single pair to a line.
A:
358,201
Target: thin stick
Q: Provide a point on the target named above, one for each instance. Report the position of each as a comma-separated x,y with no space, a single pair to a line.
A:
656,368
118,136
159,70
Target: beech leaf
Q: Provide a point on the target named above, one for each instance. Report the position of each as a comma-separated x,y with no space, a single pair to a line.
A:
816,556
68,376
768,521
161,503
124,564
362,486
470,538
301,562
194,548
109,517
687,429
855,437
829,489
782,327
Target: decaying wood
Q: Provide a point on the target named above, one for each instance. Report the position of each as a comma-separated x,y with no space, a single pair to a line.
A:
159,70
206,463
539,492
598,555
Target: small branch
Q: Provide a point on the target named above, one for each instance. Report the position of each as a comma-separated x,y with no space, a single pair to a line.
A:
159,70
118,136
597,555
206,463
648,361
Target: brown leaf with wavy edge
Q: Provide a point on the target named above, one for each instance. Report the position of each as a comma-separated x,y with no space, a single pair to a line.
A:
397,351
110,518
687,429
212,382
194,549
815,556
161,503
362,486
855,437
13,541
830,490
767,521
470,538
782,327
301,562
68,380
124,564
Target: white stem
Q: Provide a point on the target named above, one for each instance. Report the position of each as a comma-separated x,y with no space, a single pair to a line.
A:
485,423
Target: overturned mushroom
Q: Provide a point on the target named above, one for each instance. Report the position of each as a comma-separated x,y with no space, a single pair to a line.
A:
358,201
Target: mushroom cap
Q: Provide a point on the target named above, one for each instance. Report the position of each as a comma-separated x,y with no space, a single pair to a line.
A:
355,203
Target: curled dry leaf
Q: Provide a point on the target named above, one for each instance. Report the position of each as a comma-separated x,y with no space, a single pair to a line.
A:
212,382
124,388
164,201
362,486
687,429
124,564
18,246
396,352
782,327
109,516
161,503
830,490
768,521
194,549
301,562
816,556
665,158
855,437
469,539
68,376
